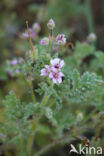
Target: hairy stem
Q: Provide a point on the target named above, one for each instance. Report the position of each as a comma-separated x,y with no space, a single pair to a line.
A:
44,100
49,46
31,137
34,126
32,92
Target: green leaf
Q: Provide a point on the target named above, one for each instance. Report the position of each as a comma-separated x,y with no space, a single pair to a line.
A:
43,129
75,79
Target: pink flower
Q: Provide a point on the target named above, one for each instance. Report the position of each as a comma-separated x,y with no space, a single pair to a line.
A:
56,76
51,24
54,70
14,62
45,41
17,71
57,63
26,35
60,39
45,71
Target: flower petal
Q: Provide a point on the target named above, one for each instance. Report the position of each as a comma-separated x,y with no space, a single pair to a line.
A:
59,80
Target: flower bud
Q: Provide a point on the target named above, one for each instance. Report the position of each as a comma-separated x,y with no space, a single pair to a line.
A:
51,24
21,60
45,41
36,27
92,37
80,116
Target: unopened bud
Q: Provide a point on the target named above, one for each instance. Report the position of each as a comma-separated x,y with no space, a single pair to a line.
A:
36,27
92,37
79,116
51,24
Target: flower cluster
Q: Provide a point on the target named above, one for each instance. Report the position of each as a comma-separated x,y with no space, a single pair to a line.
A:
13,66
54,70
33,31
59,40
26,35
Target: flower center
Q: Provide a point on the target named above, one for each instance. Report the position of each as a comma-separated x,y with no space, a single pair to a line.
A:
57,66
55,75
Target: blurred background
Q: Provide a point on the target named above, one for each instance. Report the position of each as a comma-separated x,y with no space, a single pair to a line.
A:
75,18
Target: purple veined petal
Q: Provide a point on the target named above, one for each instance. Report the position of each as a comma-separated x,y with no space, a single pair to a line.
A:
60,39
61,63
61,74
55,61
52,62
54,80
56,76
54,70
59,80
43,72
51,75
47,67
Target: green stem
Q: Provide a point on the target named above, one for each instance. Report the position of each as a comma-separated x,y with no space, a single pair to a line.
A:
44,100
21,140
31,137
21,152
49,46
32,92
89,16
34,126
